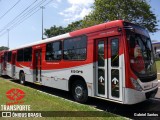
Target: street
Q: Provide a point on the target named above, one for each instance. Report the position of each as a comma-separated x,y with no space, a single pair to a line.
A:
151,106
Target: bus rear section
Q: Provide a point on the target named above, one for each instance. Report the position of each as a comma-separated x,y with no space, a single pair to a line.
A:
9,65
3,63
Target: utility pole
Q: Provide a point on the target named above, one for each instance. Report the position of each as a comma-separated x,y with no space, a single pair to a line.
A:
42,7
8,37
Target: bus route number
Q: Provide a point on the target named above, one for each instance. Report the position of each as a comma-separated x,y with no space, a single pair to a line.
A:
76,71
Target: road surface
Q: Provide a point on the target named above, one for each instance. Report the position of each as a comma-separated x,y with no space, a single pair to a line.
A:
151,106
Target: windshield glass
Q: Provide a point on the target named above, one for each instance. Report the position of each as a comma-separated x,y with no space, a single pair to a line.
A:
141,54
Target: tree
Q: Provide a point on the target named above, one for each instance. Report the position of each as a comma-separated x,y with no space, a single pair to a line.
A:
135,11
74,26
3,48
54,31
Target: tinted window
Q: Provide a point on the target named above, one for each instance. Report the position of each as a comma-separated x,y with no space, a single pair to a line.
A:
115,82
20,55
9,56
54,51
75,48
5,56
115,52
101,53
27,54
101,81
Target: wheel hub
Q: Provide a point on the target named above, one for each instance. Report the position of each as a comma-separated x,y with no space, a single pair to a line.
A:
79,91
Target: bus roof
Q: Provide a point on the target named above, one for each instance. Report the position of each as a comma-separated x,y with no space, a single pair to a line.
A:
75,33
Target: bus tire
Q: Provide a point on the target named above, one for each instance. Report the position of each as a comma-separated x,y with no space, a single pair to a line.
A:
79,91
22,78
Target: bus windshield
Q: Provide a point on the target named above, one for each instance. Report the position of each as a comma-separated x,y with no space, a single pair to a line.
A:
141,56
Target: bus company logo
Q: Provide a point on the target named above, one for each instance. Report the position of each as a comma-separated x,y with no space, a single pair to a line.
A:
15,95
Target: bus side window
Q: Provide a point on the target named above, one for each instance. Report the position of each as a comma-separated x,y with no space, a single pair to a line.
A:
75,48
28,54
54,51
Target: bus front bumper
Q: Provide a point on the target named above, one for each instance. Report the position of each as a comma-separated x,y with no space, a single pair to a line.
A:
132,96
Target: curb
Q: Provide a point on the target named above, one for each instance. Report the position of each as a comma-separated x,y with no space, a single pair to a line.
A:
57,96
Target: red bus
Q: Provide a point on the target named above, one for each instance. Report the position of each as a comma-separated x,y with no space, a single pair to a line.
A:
112,61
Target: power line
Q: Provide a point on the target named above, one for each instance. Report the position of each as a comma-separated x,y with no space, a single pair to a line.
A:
26,15
22,15
25,18
18,16
29,12
9,9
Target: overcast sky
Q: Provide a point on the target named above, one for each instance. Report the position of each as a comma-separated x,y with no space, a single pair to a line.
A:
56,12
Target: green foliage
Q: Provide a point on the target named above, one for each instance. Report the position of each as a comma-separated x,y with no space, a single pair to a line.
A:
54,31
135,11
74,26
3,48
158,66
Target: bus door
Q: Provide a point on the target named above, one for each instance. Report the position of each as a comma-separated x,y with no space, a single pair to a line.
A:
109,68
38,65
13,64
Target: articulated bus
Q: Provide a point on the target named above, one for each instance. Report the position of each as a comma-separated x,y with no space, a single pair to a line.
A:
112,61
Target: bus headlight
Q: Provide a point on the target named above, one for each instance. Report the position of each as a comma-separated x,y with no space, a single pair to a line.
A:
136,84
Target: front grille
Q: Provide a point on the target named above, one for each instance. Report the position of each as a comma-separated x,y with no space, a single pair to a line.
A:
148,78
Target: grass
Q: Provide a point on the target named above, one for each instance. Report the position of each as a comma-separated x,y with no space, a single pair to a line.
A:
158,66
43,102
158,69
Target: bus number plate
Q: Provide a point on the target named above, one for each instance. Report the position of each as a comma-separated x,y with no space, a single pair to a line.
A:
76,71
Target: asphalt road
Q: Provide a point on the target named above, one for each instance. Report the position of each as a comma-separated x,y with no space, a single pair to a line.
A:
149,107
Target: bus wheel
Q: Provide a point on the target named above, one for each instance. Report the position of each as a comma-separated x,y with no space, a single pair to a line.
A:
22,78
79,91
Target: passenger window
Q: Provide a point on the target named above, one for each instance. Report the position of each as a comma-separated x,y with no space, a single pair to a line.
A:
75,48
54,51
9,56
20,55
28,54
